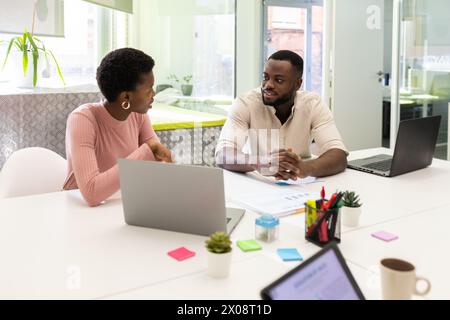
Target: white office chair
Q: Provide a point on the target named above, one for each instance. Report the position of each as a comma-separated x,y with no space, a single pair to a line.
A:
32,171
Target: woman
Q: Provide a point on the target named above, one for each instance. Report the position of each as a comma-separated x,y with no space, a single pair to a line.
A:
100,133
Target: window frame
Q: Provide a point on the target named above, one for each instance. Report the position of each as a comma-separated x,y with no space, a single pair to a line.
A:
307,73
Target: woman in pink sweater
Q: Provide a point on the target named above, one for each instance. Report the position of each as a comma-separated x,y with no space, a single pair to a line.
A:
100,133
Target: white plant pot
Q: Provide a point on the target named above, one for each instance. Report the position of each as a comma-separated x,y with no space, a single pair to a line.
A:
16,69
350,216
219,264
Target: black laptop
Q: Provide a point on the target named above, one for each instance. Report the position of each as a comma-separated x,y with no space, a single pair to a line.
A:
324,276
414,149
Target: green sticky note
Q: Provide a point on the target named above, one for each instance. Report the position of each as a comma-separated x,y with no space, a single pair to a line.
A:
249,245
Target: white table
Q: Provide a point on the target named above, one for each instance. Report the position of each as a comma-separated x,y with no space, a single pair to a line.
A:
384,199
54,246
424,239
247,278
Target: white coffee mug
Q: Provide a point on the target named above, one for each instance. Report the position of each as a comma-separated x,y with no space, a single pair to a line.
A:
399,280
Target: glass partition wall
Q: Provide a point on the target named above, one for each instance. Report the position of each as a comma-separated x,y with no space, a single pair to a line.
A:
424,73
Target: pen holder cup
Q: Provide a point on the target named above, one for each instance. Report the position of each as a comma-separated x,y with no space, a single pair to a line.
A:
322,227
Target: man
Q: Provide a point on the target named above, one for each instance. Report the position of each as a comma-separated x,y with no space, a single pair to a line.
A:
278,123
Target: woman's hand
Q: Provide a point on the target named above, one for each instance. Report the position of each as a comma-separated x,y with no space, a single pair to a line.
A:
161,153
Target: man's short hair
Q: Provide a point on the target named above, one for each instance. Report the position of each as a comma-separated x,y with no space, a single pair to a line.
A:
287,55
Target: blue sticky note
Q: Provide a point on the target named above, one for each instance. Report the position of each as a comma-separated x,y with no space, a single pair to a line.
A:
289,254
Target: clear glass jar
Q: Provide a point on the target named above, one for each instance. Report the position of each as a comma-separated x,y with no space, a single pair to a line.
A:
267,228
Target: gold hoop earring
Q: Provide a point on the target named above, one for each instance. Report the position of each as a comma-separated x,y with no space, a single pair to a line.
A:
128,105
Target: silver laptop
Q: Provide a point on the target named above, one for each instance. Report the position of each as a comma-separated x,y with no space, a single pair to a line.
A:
173,197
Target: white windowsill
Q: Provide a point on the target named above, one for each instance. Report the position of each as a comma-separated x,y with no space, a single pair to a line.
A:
7,89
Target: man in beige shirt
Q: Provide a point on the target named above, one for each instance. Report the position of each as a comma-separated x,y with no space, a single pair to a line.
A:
270,129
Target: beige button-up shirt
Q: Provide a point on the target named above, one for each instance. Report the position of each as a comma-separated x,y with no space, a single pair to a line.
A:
253,127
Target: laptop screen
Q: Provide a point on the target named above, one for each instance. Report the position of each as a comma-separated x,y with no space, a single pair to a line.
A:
324,277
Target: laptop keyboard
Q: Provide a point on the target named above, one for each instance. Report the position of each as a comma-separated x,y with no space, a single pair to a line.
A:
384,165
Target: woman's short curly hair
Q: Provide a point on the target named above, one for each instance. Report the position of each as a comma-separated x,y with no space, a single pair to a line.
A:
121,70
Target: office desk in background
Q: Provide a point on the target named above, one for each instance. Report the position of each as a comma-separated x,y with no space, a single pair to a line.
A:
411,106
54,246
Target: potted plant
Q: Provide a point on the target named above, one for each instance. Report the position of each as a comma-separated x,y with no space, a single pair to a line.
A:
28,47
162,87
173,77
351,210
219,255
186,86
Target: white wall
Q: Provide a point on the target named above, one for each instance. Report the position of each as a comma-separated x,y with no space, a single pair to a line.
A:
164,30
357,56
248,45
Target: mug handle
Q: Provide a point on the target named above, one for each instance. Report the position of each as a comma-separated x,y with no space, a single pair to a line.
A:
427,289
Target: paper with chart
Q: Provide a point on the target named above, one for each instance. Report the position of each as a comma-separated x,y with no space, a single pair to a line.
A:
277,202
299,182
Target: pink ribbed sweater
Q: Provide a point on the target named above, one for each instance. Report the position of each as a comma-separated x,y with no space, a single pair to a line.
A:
94,142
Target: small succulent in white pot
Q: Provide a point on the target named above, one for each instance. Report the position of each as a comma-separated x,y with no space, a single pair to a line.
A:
219,255
351,210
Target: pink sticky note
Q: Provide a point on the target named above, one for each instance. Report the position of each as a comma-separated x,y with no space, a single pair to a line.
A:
385,236
181,254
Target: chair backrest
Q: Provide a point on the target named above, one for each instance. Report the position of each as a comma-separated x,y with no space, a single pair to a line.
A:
32,171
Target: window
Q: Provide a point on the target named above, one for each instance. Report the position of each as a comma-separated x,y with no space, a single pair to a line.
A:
77,51
297,26
190,38
88,37
213,65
